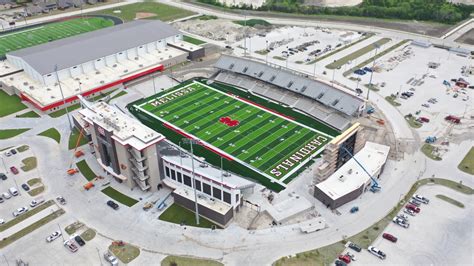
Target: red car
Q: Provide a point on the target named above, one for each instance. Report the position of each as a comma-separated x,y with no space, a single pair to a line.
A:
413,208
390,237
14,170
424,119
345,258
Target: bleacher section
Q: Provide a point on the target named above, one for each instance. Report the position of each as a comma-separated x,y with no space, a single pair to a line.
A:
322,92
301,103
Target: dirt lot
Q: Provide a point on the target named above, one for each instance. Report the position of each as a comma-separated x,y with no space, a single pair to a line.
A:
467,38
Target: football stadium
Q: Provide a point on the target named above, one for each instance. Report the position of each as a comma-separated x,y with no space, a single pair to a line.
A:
48,32
237,128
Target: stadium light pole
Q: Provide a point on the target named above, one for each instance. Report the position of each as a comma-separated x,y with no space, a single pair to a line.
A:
191,142
62,95
266,58
153,78
372,72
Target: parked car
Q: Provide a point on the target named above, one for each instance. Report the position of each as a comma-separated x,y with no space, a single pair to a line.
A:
375,251
2,221
25,187
403,217
13,151
367,69
390,237
20,211
426,105
6,195
69,244
110,258
424,119
1,200
113,205
3,176
421,198
401,222
345,258
415,202
340,263
8,154
61,200
13,191
79,240
409,212
355,247
53,236
36,202
14,170
413,208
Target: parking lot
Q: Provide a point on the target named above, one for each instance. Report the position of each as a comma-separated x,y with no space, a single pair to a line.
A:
441,234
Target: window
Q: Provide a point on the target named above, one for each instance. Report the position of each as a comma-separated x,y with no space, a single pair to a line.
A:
98,60
245,70
187,180
74,67
320,95
120,53
335,102
179,179
198,185
289,84
260,74
49,75
206,189
272,78
231,66
173,175
178,174
167,171
216,193
227,197
303,89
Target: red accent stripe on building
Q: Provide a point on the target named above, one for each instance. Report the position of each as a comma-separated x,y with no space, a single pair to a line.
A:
261,106
98,89
200,143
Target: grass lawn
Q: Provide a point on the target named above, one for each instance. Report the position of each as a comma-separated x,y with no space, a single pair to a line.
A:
356,54
253,22
62,112
24,216
10,104
50,32
157,10
450,200
125,253
85,170
10,133
74,137
327,254
384,52
51,133
23,148
412,122
188,261
122,93
192,40
36,191
393,100
177,215
89,234
30,114
207,17
29,164
118,196
6,241
33,181
72,228
428,150
467,164
279,58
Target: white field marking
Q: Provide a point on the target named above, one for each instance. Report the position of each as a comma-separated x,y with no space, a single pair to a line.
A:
266,110
301,164
19,32
215,148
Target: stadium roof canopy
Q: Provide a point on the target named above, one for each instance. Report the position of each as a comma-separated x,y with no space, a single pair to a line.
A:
322,92
72,51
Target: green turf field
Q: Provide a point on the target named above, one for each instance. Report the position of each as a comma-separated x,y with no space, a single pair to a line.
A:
240,130
33,36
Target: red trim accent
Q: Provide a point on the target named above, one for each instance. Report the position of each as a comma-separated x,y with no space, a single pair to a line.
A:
200,143
261,106
87,93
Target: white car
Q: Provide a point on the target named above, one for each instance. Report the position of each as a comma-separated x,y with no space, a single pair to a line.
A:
403,217
401,222
410,212
375,251
111,258
421,198
6,195
20,211
53,236
36,202
61,200
69,244
2,221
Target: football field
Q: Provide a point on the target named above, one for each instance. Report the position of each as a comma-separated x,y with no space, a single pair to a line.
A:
48,32
237,129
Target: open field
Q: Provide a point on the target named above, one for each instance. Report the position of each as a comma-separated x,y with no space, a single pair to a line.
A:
125,253
238,129
467,164
30,114
116,195
153,10
37,35
177,215
10,104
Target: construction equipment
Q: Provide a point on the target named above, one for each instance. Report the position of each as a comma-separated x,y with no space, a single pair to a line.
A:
430,139
147,206
72,171
78,153
381,122
89,186
81,134
375,185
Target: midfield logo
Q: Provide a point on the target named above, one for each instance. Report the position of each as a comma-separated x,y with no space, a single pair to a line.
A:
228,121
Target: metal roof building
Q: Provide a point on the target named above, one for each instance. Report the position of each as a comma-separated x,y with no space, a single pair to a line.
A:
323,92
108,45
